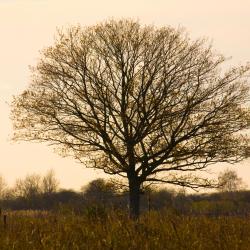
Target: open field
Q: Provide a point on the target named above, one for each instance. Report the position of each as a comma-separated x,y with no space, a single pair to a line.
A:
35,230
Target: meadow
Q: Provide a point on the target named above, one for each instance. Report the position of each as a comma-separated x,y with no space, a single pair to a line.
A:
114,230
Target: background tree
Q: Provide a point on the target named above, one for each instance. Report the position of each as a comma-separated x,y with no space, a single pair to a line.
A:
99,191
229,181
3,187
29,187
141,102
49,183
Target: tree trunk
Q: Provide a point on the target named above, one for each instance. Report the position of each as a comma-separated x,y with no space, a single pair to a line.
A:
134,198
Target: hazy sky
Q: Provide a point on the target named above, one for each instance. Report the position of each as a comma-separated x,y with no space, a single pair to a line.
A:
27,26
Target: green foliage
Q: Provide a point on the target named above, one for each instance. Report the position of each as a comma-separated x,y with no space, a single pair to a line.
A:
36,230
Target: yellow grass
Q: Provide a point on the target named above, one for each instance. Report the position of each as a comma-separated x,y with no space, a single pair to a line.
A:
35,230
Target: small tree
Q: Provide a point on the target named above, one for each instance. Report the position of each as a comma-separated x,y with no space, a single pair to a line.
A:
99,191
49,183
29,187
229,181
3,187
141,102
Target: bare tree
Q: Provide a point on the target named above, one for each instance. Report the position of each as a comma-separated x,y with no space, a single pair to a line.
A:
141,102
28,187
229,181
49,183
3,187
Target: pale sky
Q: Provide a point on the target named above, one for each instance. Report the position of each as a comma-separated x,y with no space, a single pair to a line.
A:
27,26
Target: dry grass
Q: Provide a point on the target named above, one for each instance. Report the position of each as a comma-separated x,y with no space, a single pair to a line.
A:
34,230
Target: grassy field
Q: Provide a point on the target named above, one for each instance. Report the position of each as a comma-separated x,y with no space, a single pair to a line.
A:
36,230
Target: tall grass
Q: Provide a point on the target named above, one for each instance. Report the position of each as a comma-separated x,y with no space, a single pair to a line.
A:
34,230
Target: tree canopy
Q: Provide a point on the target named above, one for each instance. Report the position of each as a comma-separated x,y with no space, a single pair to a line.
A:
142,102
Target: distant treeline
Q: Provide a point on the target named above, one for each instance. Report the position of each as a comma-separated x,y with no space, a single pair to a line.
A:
100,196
